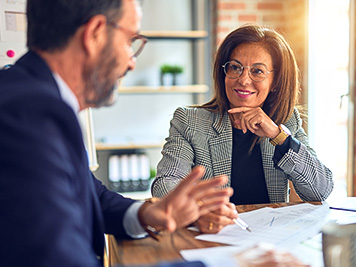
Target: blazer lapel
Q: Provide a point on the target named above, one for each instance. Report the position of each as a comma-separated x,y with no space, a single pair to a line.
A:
220,145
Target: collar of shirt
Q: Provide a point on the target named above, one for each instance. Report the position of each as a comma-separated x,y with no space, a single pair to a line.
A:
67,95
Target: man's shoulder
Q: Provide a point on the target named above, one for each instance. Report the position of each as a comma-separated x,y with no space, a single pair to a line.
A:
29,77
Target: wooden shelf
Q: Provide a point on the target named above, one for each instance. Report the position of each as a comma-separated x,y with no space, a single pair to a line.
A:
175,34
197,88
105,146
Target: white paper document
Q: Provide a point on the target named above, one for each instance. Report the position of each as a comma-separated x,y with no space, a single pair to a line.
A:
284,227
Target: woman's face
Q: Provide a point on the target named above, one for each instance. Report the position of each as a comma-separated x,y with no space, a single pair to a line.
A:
243,91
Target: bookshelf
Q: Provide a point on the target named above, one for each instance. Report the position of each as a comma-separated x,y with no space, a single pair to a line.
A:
178,33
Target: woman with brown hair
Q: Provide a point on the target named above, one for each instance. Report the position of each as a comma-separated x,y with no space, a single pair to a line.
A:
250,130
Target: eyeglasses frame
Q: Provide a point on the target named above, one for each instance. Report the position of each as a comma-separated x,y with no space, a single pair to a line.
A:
249,70
134,35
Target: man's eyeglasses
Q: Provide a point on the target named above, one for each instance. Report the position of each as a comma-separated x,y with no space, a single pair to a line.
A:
257,72
138,41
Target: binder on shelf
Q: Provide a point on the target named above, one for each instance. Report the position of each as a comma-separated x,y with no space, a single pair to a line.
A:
145,171
134,170
125,172
114,173
129,172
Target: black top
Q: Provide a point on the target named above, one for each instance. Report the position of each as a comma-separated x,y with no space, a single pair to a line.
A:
247,176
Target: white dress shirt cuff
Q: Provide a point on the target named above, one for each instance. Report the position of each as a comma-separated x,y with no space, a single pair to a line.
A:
132,225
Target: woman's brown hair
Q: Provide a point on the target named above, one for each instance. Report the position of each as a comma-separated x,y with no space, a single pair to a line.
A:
282,99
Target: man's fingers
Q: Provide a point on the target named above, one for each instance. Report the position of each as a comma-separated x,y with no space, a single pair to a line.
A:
213,182
213,198
191,180
171,225
209,186
192,183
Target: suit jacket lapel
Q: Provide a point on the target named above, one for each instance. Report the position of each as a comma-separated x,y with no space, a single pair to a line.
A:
220,145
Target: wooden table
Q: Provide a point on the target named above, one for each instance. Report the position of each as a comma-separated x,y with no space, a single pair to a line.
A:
150,251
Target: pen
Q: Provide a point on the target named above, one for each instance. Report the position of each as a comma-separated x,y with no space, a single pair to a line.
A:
271,222
242,224
345,209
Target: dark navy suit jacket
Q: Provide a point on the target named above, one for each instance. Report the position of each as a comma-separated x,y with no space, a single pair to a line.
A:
53,211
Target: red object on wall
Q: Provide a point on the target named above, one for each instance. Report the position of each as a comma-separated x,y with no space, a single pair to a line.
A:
10,53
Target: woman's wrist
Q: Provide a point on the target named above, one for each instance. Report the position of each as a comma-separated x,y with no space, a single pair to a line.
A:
276,132
284,133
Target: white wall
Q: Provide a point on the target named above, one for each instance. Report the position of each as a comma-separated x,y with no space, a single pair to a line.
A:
12,30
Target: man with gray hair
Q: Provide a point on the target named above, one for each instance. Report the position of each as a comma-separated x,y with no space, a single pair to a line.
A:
54,212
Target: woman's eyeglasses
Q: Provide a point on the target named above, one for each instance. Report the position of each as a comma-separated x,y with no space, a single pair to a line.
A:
257,72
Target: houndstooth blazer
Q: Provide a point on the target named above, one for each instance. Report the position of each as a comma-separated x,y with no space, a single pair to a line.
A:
196,137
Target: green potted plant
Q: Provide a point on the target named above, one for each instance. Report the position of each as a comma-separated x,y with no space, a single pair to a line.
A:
166,75
169,73
165,68
176,70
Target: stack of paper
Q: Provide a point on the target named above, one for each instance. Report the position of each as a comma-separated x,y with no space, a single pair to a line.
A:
284,227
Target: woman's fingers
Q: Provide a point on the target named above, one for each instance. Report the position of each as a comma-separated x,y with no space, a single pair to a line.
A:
214,221
215,200
255,120
228,210
211,194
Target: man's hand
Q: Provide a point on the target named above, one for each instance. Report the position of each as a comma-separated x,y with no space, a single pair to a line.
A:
190,200
216,220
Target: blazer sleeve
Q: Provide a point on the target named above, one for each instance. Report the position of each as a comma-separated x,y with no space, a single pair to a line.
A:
114,207
312,180
177,156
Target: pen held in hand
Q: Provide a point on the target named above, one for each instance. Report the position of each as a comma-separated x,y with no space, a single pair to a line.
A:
242,224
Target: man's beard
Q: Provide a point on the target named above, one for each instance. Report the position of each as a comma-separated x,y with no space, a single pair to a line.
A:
100,80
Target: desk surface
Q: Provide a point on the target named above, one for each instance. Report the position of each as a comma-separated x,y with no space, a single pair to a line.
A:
149,251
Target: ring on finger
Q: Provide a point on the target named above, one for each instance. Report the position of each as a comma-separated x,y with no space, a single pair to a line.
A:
200,203
211,226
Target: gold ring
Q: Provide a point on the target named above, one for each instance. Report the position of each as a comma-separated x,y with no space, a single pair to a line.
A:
200,203
211,226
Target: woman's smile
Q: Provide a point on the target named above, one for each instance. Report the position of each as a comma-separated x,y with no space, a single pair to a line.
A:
243,91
